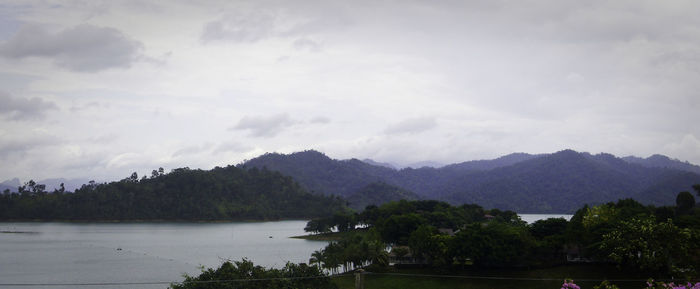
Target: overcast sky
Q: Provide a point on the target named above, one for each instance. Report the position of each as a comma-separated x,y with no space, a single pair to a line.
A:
101,89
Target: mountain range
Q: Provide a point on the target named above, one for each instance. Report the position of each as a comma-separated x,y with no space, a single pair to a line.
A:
558,182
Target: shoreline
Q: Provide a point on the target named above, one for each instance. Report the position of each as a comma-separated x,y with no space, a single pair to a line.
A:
331,236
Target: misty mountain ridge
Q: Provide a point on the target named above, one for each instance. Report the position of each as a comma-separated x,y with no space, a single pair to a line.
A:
662,161
416,165
380,164
422,164
558,182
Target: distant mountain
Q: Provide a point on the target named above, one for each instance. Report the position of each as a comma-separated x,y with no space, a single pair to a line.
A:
424,164
8,188
564,181
482,165
321,174
558,183
10,185
661,161
386,165
51,184
378,194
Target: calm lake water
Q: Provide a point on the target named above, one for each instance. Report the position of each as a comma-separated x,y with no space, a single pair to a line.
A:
150,252
70,253
531,218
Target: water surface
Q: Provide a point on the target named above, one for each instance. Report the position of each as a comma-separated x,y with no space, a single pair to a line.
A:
531,218
68,253
144,252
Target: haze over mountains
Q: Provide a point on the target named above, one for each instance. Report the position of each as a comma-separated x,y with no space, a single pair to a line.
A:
548,183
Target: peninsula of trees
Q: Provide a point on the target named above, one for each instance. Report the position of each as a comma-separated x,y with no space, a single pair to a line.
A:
227,193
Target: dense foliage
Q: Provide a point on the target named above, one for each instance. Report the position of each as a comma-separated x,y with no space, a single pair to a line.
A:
647,240
227,193
354,251
245,275
560,182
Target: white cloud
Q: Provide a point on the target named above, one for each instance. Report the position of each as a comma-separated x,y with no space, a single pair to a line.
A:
688,147
192,150
231,147
320,120
306,44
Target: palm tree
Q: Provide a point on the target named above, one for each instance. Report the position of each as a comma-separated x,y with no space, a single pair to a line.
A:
316,258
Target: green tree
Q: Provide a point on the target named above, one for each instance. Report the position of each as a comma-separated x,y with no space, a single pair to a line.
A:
684,202
397,228
427,243
245,275
549,227
649,246
494,245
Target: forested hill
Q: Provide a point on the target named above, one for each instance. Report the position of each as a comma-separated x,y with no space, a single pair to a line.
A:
559,182
321,174
228,193
378,194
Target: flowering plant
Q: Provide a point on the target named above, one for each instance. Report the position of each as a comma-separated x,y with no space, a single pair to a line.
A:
569,284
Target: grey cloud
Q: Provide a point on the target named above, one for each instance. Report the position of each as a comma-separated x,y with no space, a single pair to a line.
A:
18,108
83,48
264,126
239,28
286,21
411,126
19,145
85,162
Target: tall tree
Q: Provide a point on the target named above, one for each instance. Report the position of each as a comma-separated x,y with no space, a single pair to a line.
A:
684,202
